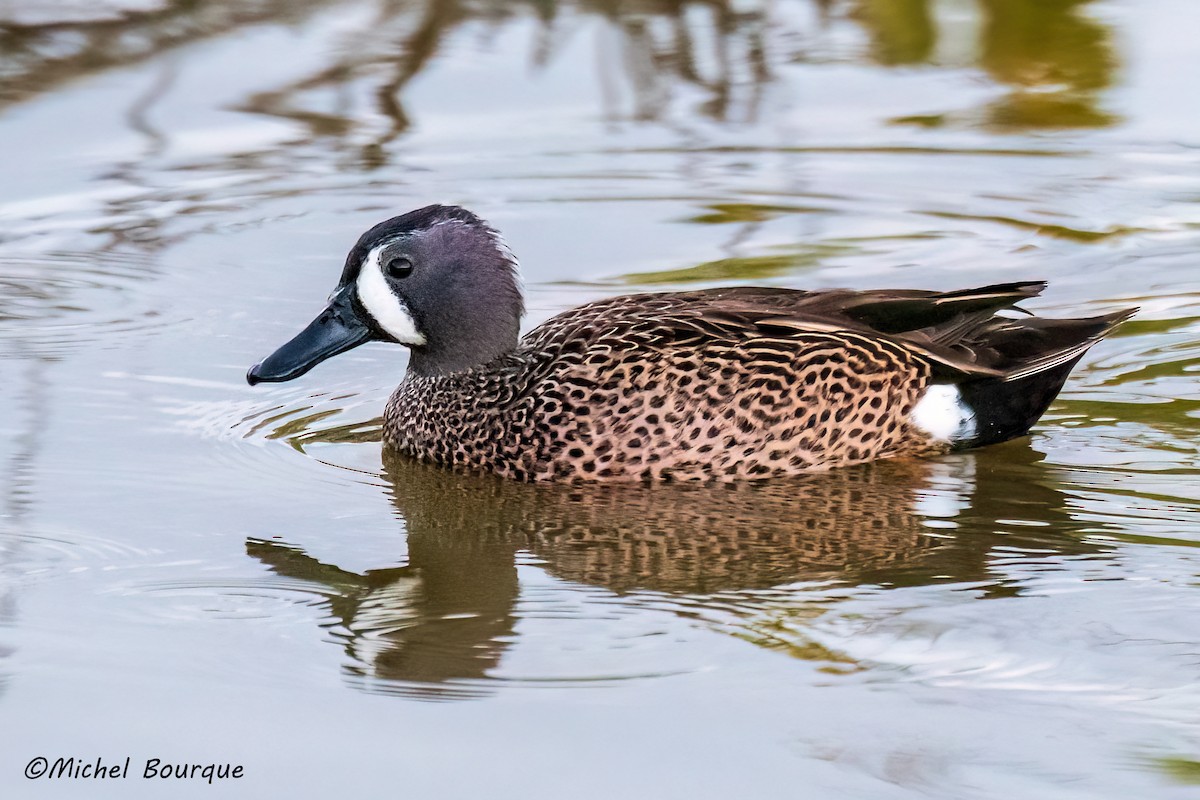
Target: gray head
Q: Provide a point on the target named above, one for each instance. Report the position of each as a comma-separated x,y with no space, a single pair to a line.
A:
438,280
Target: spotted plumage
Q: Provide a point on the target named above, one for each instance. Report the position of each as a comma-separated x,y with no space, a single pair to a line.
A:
723,384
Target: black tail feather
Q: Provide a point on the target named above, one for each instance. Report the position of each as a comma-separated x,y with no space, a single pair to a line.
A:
901,311
1007,409
1040,354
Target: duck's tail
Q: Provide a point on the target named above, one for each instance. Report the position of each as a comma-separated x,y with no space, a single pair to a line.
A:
1039,354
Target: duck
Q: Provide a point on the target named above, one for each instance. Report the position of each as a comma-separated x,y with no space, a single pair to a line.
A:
715,384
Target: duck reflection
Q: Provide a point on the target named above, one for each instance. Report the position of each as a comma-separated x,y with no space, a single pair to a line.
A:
439,625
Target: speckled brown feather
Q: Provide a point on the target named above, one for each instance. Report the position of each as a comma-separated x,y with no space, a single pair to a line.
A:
719,384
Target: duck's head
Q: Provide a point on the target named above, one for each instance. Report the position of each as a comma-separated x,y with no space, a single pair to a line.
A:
438,280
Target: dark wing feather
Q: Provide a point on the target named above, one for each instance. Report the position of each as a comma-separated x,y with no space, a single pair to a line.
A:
903,311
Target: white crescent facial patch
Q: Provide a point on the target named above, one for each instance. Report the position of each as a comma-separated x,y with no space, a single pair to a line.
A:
377,297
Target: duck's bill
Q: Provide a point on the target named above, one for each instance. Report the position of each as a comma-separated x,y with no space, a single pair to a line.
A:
340,327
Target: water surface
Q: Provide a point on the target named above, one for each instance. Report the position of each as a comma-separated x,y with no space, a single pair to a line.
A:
199,571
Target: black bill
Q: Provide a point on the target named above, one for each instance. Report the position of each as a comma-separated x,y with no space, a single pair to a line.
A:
340,327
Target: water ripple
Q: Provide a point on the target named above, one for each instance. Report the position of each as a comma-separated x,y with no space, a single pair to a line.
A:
30,556
61,301
258,598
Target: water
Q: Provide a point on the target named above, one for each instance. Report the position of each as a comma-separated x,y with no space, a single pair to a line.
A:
198,571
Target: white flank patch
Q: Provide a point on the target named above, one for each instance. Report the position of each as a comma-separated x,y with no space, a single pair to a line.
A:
382,303
943,415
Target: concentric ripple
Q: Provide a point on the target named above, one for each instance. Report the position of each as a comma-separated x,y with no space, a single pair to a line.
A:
259,598
33,556
57,302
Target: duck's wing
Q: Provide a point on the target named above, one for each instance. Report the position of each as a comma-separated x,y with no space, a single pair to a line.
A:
960,333
963,333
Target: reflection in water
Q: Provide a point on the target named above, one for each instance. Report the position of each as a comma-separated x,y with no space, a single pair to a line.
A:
40,54
722,53
18,493
439,625
1054,57
902,31
400,41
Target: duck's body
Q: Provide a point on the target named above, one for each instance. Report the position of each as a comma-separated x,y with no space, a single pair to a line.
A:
717,384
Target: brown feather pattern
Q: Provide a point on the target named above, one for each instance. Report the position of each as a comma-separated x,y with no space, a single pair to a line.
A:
726,383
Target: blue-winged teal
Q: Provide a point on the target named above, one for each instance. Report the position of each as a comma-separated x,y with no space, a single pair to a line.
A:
731,383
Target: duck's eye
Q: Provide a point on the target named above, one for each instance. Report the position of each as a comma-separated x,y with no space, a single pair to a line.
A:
399,267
